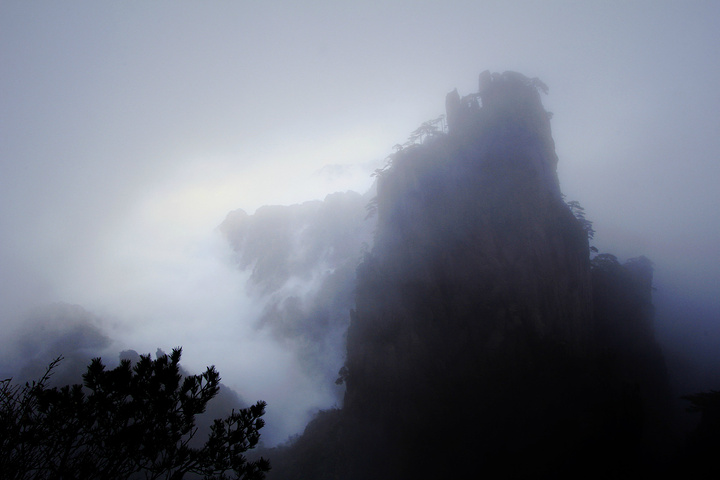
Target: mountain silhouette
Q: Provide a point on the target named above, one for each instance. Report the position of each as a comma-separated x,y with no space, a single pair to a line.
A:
486,337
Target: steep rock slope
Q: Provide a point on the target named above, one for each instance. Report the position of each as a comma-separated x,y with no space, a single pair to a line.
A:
479,275
483,339
474,245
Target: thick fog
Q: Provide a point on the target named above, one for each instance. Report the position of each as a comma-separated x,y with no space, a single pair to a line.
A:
129,131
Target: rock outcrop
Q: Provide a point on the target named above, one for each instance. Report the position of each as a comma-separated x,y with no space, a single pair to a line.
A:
302,260
483,340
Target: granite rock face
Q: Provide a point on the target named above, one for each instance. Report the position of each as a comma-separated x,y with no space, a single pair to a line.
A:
483,338
476,253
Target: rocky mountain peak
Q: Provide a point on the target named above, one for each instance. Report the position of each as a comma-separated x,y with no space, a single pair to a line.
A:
482,332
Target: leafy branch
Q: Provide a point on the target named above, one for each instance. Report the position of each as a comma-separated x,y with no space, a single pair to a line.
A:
123,422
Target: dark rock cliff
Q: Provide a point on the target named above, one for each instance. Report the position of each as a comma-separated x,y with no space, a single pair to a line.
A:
483,339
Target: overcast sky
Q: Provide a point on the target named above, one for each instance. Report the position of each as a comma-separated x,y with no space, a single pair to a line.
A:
128,130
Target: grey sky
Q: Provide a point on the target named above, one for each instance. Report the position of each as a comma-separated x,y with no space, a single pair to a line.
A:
128,130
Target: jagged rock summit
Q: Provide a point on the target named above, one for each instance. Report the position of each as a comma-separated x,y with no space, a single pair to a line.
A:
476,343
476,216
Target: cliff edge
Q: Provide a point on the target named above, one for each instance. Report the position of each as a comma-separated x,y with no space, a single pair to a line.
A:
484,339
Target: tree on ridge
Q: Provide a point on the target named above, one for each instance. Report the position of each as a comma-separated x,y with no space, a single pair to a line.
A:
127,422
